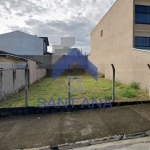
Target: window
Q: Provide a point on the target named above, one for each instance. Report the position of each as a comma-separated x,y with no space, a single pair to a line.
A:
142,42
101,33
142,14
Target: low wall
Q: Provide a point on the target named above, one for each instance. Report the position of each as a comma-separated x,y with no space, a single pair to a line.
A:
32,71
11,81
40,73
35,73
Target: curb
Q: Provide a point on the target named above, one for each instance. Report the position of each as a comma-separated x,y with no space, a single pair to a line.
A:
40,148
102,140
68,146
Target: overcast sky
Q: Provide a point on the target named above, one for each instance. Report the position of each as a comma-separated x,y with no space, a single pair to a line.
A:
54,18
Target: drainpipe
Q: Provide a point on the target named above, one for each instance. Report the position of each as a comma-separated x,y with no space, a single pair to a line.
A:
69,85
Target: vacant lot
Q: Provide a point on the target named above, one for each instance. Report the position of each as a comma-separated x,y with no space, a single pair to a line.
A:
85,87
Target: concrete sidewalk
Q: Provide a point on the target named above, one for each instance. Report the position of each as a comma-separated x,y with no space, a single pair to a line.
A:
60,128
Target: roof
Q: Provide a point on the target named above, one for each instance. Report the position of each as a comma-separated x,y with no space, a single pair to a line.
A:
3,53
45,39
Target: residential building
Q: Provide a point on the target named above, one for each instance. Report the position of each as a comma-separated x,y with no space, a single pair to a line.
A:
122,38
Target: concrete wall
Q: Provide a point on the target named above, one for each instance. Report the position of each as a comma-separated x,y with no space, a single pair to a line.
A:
116,42
32,71
35,73
116,46
45,60
21,43
40,73
11,82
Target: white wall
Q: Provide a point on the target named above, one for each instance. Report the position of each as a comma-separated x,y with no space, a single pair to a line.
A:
32,71
35,73
21,43
40,73
11,82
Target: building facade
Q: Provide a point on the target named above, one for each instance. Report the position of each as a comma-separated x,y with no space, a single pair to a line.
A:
21,43
122,38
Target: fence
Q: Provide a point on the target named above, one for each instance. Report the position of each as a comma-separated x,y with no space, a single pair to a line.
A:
12,81
81,88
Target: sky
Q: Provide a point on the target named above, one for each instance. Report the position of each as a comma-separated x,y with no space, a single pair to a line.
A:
54,18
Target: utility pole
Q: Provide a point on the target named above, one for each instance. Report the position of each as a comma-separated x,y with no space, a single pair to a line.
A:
26,84
69,85
149,81
113,83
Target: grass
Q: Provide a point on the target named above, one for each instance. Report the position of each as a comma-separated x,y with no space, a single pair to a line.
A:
46,88
134,85
128,93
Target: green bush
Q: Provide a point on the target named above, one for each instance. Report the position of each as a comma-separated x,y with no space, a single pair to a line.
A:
134,85
127,93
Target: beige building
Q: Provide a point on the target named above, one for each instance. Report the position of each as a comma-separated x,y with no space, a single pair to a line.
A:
122,38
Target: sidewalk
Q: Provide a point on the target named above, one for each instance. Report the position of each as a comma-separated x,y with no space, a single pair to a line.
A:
60,128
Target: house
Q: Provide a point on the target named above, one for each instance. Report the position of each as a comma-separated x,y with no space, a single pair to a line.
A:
122,38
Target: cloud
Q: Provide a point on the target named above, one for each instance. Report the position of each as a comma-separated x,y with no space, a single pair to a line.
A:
55,18
76,27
